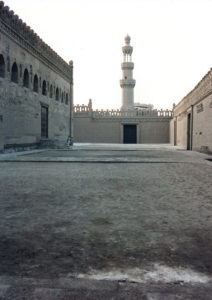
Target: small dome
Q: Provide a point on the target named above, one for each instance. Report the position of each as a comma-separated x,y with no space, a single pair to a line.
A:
127,39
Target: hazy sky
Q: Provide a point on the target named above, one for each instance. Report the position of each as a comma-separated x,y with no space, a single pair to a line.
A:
172,42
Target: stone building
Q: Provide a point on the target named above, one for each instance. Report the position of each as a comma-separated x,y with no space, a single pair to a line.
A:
191,126
35,87
130,124
118,126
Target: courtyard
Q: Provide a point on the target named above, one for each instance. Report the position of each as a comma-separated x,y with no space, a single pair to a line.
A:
106,222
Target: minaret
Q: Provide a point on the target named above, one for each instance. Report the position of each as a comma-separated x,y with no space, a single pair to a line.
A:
127,82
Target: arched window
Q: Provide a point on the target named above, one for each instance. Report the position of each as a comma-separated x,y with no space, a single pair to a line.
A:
35,84
66,98
26,78
44,91
14,75
62,97
2,66
57,94
51,91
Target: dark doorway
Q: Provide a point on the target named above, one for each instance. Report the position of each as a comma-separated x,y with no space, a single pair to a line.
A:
189,132
175,133
44,122
130,134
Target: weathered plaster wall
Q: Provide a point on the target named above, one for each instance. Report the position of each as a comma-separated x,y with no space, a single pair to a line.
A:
198,103
91,130
202,125
182,130
87,130
154,131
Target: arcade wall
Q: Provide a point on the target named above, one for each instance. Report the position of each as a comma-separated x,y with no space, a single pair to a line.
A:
32,76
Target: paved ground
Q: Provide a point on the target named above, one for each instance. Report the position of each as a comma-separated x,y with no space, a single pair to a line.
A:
106,222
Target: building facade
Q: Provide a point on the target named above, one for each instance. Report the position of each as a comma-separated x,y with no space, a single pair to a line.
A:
118,126
36,102
191,126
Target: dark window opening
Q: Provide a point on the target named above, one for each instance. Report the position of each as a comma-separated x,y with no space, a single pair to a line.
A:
62,97
57,94
26,78
67,99
14,75
44,91
2,66
35,84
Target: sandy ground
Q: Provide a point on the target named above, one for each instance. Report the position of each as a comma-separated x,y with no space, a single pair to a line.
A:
138,220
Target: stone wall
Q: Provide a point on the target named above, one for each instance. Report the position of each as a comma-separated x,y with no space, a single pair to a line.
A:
197,106
31,75
87,130
108,126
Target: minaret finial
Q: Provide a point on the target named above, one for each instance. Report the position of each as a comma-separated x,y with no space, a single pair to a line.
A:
127,39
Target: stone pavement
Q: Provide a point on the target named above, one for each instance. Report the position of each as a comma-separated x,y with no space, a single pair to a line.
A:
106,222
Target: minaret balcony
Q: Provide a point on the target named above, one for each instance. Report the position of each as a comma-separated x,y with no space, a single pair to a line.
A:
127,66
127,50
127,83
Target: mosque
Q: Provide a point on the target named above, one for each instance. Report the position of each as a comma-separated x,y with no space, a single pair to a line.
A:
133,123
36,101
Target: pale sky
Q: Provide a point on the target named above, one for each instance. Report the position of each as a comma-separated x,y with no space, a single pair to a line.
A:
172,41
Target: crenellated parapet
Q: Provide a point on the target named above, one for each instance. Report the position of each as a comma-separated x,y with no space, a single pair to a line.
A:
81,109
86,110
17,30
132,114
